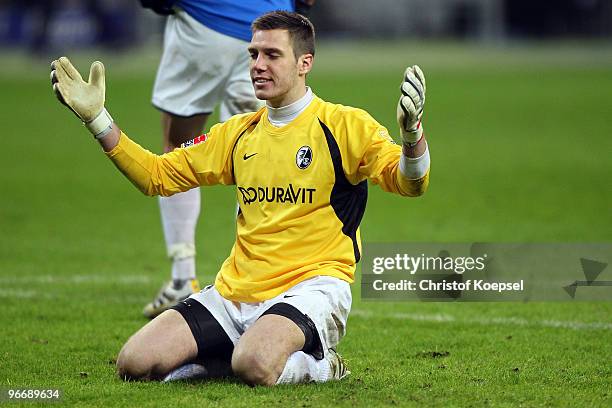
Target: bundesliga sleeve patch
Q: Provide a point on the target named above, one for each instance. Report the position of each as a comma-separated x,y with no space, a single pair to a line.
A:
384,133
199,139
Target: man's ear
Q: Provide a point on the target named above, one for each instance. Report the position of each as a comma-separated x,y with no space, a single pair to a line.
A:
305,63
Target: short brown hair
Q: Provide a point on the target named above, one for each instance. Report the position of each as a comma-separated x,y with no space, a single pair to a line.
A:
301,31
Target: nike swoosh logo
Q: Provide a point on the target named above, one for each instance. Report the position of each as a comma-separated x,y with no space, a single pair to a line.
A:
245,157
288,296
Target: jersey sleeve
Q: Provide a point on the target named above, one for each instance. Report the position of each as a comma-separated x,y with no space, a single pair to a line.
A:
374,155
207,161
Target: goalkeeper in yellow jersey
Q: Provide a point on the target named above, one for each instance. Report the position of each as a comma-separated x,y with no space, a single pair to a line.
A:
280,301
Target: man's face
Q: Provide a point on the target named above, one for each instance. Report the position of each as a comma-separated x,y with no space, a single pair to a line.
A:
276,75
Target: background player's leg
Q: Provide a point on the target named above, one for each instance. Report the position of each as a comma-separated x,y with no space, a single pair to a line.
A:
179,129
162,345
179,214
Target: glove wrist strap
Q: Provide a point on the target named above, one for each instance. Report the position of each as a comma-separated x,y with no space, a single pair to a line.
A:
414,168
413,137
101,125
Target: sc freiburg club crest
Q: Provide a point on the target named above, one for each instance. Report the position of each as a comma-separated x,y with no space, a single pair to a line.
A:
303,158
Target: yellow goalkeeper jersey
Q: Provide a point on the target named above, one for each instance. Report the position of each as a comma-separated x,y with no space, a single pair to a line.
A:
301,189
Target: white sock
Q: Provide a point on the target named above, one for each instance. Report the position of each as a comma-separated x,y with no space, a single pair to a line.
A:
303,368
179,214
191,371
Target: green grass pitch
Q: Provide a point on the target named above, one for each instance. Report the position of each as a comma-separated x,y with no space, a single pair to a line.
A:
520,143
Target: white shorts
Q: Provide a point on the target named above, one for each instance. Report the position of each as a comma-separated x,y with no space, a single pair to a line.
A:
324,300
201,68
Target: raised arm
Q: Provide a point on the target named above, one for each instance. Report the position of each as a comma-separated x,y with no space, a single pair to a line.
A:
414,161
179,170
85,99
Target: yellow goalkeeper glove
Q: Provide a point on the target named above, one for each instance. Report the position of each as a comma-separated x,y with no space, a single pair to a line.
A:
410,105
85,99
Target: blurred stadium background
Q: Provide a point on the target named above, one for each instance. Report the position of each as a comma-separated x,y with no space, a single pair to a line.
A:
66,24
519,118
